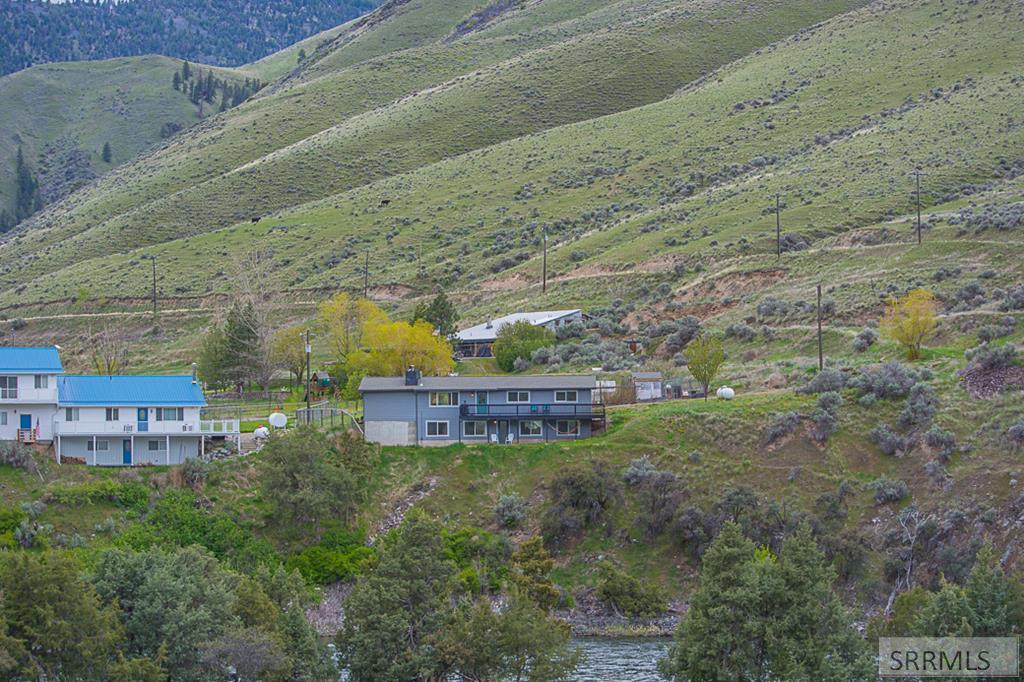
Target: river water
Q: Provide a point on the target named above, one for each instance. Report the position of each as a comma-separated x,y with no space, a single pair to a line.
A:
630,659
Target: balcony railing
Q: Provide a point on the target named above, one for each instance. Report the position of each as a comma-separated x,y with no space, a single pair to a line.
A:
219,426
150,428
533,411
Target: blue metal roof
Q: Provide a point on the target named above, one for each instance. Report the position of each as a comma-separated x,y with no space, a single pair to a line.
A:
30,360
129,390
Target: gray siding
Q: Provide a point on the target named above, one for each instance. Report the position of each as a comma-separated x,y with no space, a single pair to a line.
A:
387,414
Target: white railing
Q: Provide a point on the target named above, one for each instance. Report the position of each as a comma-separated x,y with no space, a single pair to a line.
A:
138,428
219,426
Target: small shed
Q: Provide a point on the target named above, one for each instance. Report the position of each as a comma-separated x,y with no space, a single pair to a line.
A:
647,386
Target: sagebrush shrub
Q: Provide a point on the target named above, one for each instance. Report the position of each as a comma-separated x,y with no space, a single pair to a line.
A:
865,339
510,510
781,426
888,441
920,408
891,380
825,381
987,358
889,490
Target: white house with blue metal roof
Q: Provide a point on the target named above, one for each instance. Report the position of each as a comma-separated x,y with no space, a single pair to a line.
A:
120,420
28,393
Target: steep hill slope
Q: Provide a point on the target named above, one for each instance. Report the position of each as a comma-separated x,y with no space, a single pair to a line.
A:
62,115
834,118
366,113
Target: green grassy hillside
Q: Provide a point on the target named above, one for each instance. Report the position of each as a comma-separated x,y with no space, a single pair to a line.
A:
63,114
364,114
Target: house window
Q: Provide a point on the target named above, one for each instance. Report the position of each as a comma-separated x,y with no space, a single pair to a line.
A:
42,381
567,427
437,429
530,428
101,445
170,414
9,388
3,419
154,445
70,414
566,396
113,414
444,398
518,396
474,429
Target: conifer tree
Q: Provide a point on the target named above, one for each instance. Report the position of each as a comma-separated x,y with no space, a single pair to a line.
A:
947,614
106,152
177,80
186,71
995,599
27,199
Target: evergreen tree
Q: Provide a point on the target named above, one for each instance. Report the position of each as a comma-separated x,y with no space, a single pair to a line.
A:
812,637
947,614
240,344
56,626
994,598
186,71
718,639
531,573
394,614
177,80
5,221
304,480
27,200
756,617
106,152
440,313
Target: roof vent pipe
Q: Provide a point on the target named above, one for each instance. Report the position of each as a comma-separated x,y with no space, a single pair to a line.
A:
194,373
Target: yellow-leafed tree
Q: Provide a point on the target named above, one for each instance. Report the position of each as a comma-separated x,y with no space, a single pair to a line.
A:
388,348
911,320
288,351
342,320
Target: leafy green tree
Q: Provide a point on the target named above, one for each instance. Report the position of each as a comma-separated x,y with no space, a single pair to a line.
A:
519,340
171,603
440,313
704,358
303,478
947,614
213,357
394,614
56,626
107,154
626,594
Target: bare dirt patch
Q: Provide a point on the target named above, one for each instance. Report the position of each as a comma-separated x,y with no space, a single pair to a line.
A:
987,384
731,284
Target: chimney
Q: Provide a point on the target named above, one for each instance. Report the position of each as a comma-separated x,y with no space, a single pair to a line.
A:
489,324
194,373
412,376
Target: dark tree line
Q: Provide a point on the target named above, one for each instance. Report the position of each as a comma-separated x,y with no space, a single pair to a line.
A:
202,88
220,32
27,198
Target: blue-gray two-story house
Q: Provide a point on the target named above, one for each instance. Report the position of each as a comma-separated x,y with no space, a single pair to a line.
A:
418,410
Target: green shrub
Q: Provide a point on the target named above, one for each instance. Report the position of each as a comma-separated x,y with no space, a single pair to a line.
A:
468,581
175,521
322,565
486,553
130,494
10,518
625,594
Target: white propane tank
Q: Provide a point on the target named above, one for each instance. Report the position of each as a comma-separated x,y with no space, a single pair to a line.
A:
278,420
725,393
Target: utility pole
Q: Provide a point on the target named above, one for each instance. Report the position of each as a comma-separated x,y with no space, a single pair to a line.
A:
544,281
366,275
778,227
309,389
917,176
821,353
